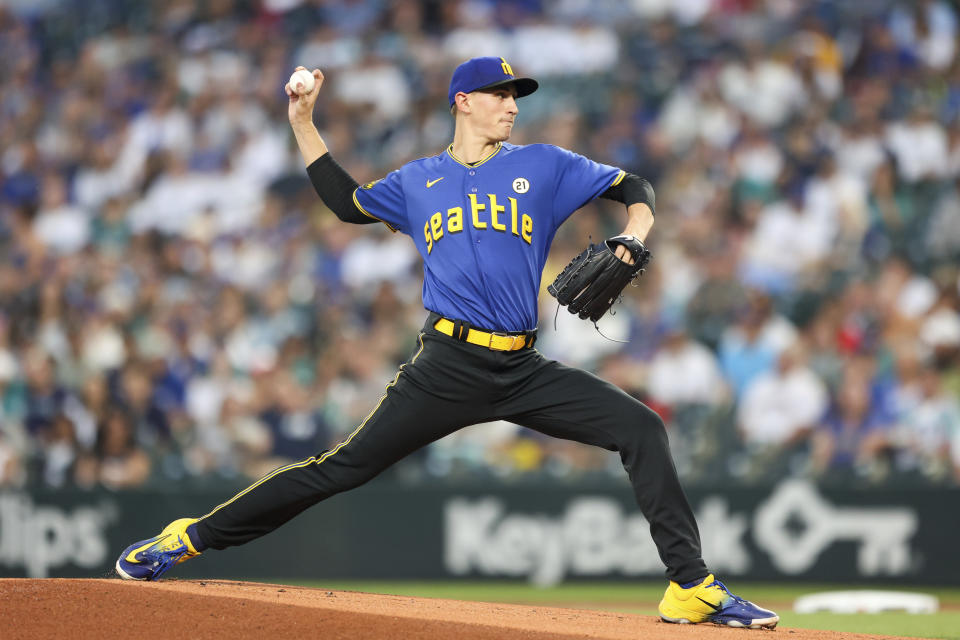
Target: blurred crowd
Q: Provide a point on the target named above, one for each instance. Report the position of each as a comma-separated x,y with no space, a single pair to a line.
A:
177,305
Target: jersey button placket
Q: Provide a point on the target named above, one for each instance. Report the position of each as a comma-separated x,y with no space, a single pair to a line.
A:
473,189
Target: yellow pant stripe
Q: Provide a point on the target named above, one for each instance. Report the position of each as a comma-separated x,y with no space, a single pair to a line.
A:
314,459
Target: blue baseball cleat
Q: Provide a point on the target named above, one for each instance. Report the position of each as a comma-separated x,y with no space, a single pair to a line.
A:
150,559
710,601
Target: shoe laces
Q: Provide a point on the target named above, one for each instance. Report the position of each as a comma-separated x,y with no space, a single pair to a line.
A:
723,587
165,555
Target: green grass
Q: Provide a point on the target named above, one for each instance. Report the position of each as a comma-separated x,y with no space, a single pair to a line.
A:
642,598
945,624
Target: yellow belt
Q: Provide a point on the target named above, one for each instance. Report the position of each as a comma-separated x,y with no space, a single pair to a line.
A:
495,341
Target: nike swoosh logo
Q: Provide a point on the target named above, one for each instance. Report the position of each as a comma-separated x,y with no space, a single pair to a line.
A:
709,604
430,183
132,556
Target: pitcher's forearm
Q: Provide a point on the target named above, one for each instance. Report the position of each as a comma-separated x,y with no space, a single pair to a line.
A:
311,144
639,221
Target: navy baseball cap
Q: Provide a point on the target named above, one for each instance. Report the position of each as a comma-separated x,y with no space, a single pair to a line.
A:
487,73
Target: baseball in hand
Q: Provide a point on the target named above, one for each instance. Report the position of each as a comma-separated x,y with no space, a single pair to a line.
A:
304,76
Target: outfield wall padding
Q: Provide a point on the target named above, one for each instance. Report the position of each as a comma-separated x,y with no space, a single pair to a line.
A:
542,533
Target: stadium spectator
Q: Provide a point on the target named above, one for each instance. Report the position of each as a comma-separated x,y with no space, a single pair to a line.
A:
61,227
854,435
58,452
943,232
926,430
928,29
791,238
44,397
918,144
716,303
11,465
762,87
778,412
120,462
752,345
685,372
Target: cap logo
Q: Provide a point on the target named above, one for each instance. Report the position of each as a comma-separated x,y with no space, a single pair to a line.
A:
507,69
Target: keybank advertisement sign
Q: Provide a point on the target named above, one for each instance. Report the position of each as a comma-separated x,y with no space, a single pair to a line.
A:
791,531
542,533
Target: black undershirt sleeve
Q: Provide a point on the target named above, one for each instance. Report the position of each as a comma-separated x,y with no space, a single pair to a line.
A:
335,187
631,190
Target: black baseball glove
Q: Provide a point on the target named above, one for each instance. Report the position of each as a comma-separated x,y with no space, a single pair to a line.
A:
593,281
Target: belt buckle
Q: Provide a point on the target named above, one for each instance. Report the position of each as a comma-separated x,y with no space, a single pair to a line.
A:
514,338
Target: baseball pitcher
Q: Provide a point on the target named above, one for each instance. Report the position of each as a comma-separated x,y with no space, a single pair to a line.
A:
482,214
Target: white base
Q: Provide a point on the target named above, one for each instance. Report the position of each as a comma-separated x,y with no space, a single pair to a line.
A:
866,602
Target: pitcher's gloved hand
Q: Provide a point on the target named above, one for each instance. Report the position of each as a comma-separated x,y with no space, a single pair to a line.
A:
593,281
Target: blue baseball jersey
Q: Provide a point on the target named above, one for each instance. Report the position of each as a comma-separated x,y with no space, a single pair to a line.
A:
484,230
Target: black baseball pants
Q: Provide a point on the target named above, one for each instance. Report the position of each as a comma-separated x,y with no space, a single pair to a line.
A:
448,385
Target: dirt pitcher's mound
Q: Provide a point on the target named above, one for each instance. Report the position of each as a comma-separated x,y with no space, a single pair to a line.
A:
58,608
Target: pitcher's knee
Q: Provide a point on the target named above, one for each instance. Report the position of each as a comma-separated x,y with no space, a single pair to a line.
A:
642,430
